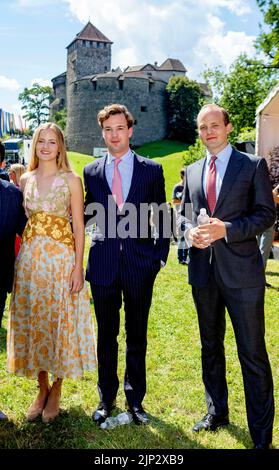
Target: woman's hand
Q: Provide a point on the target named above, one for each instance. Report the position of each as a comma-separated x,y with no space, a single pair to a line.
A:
76,280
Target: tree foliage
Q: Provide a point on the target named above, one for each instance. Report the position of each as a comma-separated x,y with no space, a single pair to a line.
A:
194,153
60,118
247,133
268,40
241,90
35,102
184,100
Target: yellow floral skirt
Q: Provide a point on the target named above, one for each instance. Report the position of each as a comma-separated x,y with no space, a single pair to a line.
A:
49,328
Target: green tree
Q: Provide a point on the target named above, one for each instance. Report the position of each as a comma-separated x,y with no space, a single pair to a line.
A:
241,90
184,100
35,102
268,40
60,118
194,153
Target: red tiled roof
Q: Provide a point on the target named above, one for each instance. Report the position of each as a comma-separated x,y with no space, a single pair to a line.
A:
172,64
91,33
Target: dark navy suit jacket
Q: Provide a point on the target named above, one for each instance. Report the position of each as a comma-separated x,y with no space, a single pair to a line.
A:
140,253
12,221
246,206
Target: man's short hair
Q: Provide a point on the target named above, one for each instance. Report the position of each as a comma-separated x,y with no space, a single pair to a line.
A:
113,109
218,108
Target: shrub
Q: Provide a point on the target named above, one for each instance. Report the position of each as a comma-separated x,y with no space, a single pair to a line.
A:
193,153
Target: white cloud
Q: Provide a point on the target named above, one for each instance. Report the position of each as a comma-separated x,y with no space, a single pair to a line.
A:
10,84
222,47
32,3
149,31
239,7
41,81
13,108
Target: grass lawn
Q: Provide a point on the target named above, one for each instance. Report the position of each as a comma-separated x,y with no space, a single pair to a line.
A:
175,397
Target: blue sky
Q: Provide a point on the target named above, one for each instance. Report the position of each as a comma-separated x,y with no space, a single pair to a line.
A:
34,34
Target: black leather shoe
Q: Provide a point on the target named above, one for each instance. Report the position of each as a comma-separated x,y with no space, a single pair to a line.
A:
211,422
138,414
262,446
3,417
102,412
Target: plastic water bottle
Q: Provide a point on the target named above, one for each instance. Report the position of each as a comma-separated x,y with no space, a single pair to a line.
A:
203,217
113,421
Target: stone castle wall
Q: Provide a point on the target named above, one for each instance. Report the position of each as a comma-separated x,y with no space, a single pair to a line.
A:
87,58
146,99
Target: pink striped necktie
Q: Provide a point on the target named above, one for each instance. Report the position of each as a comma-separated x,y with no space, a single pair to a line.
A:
117,184
211,184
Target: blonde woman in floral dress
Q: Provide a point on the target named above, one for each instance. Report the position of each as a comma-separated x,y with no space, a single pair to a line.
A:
50,327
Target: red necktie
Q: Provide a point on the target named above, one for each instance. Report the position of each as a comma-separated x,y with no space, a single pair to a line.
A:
117,184
211,184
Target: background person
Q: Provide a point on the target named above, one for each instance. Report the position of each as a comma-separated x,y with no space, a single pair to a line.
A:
182,250
266,238
3,173
226,271
15,172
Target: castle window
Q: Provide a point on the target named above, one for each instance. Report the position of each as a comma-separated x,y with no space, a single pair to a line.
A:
62,102
83,42
120,84
75,88
106,69
151,85
105,44
98,44
143,109
135,122
87,43
94,85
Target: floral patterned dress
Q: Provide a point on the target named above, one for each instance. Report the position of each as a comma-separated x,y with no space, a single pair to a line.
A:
49,328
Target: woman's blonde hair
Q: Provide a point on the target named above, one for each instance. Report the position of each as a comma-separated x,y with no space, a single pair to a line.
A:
62,159
18,170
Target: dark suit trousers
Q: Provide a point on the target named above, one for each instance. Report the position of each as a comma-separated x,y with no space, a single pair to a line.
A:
3,297
136,289
246,310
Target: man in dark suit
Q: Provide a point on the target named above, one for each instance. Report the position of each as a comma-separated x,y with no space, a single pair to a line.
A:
226,271
124,259
12,222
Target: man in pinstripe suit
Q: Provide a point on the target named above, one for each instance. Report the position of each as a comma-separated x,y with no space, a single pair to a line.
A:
122,265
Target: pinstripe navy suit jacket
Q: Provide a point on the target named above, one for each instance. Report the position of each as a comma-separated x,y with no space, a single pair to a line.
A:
141,255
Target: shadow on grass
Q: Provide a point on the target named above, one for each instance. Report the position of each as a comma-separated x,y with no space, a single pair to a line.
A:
274,288
271,273
74,429
240,435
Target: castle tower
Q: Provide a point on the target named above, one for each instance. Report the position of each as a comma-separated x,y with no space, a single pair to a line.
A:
88,54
